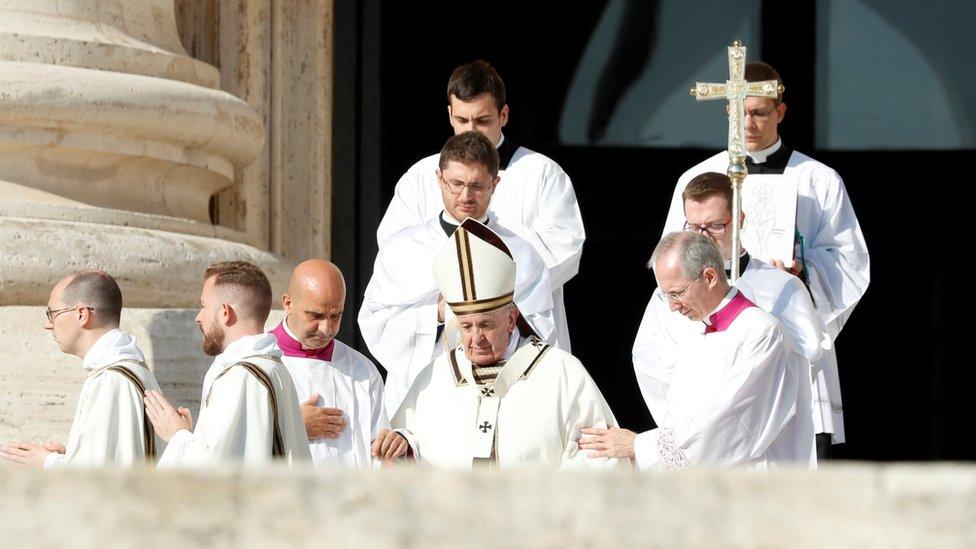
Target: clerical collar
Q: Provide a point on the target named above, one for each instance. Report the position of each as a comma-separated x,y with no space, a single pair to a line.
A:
449,224
743,263
721,305
732,305
772,160
291,346
506,150
761,156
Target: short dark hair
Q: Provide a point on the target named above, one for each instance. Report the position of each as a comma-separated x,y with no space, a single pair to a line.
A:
470,147
707,185
475,78
249,280
758,71
98,290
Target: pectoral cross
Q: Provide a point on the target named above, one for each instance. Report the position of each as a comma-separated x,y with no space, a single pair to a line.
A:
487,391
485,427
735,90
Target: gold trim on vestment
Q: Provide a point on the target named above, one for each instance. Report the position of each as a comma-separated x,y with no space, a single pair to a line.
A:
481,305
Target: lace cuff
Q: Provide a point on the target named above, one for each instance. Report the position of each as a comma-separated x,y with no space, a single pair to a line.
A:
671,457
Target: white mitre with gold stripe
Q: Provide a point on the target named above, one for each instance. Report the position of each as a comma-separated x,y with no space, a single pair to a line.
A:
475,270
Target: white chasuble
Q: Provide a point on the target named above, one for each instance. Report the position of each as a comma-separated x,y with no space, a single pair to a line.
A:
739,396
239,416
531,415
833,251
398,317
534,199
110,424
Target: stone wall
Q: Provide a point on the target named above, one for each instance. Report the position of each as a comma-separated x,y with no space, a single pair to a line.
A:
123,150
897,506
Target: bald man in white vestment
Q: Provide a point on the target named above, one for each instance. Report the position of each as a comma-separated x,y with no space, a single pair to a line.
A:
249,411
340,389
403,314
110,426
830,256
534,197
739,394
500,398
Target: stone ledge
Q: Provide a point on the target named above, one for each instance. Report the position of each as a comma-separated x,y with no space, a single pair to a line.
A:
887,506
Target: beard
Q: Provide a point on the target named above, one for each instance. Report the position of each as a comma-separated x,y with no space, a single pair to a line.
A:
213,341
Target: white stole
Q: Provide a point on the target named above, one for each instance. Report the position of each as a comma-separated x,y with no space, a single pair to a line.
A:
491,395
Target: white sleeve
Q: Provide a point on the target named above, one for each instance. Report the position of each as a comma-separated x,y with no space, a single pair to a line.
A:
557,232
800,320
655,353
837,262
406,209
676,210
378,416
589,409
404,420
110,427
236,425
533,293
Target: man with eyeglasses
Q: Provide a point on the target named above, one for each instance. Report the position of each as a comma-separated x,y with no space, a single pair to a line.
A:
403,314
534,198
830,254
663,335
109,427
739,393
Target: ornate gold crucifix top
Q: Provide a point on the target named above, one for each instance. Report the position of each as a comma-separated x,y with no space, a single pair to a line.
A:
735,90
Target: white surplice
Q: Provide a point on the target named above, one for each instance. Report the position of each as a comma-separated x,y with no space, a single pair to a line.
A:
664,335
534,199
398,317
837,262
535,420
108,427
351,383
736,397
236,420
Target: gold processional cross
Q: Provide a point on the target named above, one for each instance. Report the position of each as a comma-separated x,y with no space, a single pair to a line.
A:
735,90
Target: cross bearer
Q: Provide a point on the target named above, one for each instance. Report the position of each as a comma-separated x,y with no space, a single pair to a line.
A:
830,254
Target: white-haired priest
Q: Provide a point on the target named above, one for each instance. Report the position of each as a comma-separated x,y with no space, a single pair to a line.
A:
739,394
500,398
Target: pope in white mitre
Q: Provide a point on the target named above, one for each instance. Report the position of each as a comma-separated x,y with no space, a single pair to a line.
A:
499,398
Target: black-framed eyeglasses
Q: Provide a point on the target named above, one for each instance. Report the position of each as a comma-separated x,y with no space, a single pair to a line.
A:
714,229
51,315
676,296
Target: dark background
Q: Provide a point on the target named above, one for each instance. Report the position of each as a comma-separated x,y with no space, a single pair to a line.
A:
904,398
